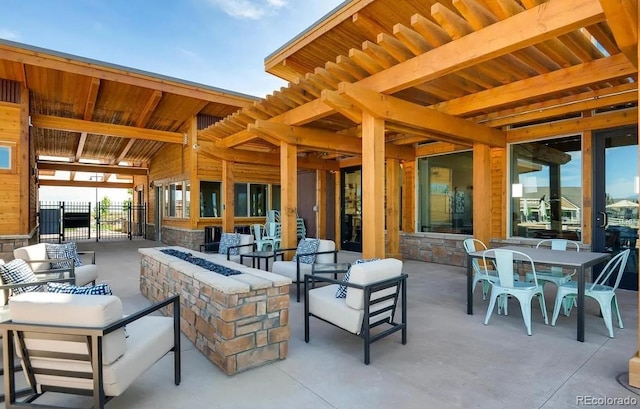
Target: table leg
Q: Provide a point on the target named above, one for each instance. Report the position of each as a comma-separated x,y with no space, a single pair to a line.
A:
253,262
469,283
581,285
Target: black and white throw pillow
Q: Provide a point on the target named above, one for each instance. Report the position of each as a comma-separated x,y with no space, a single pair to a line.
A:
307,246
18,272
342,289
229,240
98,289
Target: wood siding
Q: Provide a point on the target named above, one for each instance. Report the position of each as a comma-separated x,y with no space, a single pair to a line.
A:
10,218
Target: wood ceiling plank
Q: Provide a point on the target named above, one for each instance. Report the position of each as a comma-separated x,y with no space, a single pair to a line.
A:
398,110
603,35
99,128
554,82
622,16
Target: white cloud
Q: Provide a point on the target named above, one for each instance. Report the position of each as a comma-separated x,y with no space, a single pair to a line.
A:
249,9
10,35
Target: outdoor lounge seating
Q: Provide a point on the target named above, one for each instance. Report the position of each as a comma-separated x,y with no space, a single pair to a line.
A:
77,344
372,293
36,256
296,269
231,252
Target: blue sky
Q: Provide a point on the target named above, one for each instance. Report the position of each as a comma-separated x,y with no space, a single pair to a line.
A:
221,43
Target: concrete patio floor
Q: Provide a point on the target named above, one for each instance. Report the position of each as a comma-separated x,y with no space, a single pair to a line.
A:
451,359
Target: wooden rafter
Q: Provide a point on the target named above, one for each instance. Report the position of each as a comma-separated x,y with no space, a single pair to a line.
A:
85,183
92,97
148,109
623,20
99,128
90,168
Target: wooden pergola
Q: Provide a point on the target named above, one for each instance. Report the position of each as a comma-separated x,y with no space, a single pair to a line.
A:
381,82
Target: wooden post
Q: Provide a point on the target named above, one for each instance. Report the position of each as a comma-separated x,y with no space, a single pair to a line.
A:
228,183
27,180
409,196
194,194
338,209
587,186
393,208
321,203
289,199
372,186
481,189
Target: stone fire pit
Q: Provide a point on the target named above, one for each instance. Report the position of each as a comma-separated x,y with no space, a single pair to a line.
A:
238,322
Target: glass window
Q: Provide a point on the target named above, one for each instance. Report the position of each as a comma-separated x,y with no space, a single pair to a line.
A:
175,200
210,199
546,188
5,157
445,191
187,199
240,195
275,197
258,204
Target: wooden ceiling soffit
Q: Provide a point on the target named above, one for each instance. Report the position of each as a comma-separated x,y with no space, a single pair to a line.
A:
572,126
62,63
85,183
236,139
397,110
89,168
530,27
268,159
100,128
326,141
592,72
623,20
438,148
618,95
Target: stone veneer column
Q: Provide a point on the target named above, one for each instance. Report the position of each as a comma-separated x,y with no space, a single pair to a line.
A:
238,322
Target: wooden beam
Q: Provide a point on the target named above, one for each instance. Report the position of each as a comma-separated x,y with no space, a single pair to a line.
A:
124,151
85,183
481,189
148,109
438,148
409,196
398,110
571,78
236,139
342,105
194,204
92,97
601,121
622,16
40,58
100,128
89,168
321,203
80,147
324,140
228,197
373,234
262,158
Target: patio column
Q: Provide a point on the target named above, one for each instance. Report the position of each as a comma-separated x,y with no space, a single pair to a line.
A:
228,186
337,205
409,196
372,186
289,194
194,213
393,208
482,192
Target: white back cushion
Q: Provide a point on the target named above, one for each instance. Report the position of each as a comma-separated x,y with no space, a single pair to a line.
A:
325,245
245,239
367,273
73,310
33,252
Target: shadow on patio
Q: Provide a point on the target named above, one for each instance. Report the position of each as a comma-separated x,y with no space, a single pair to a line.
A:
451,359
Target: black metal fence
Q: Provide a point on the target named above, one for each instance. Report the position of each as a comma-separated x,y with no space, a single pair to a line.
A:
66,221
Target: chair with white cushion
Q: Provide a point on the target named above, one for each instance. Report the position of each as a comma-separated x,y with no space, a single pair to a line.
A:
303,260
37,257
77,344
600,290
373,290
507,286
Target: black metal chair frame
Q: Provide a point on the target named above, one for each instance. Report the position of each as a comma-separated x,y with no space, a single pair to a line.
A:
400,282
299,280
92,336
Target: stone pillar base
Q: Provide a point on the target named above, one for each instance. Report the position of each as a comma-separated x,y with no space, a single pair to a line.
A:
634,371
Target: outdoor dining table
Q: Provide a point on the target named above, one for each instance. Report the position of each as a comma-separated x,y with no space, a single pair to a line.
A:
580,261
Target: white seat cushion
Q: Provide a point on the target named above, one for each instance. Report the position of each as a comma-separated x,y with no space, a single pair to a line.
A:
324,304
289,269
75,310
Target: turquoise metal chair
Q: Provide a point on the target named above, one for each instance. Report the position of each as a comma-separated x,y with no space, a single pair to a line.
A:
507,286
599,290
480,274
555,274
259,239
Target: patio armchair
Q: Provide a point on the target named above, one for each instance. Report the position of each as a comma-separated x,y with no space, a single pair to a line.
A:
231,245
296,269
77,344
36,256
373,290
